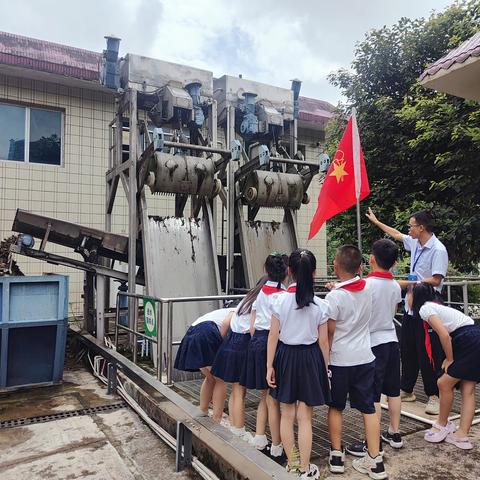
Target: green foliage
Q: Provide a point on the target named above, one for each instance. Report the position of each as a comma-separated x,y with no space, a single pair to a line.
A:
421,147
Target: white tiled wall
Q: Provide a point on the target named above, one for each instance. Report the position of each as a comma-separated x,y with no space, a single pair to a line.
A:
75,191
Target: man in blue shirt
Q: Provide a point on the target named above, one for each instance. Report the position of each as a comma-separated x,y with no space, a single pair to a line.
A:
429,263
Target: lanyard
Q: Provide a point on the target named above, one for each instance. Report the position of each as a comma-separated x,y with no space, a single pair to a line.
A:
416,258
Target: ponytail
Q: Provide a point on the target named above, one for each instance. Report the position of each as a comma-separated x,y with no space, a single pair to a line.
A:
247,303
303,264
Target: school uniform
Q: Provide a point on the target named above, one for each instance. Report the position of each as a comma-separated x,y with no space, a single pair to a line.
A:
229,362
255,371
300,371
426,261
352,362
386,295
465,337
201,342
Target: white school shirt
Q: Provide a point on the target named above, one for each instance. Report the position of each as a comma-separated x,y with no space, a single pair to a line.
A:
241,323
386,295
217,316
299,326
263,305
452,319
426,261
351,312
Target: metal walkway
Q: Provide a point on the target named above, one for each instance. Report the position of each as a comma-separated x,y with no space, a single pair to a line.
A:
352,420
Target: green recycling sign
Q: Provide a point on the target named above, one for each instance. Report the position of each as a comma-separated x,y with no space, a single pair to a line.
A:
149,317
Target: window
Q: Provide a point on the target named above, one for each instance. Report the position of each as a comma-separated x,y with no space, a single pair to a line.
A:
32,135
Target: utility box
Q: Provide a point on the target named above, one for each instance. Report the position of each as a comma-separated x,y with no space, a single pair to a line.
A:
33,330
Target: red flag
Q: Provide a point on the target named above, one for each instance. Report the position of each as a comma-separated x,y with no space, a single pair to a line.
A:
345,182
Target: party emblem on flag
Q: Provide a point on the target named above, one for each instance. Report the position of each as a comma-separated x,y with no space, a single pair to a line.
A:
339,167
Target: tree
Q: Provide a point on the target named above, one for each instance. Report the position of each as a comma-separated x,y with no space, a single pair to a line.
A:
421,147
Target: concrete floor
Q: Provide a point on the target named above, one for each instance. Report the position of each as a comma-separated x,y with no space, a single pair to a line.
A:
110,445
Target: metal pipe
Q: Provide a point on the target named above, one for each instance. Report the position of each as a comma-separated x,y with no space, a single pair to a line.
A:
465,298
117,315
132,204
100,304
186,299
201,148
135,332
294,162
169,342
159,340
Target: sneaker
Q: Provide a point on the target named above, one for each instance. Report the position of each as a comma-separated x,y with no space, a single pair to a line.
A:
433,405
394,439
312,472
277,454
336,461
438,433
407,397
373,467
360,449
294,466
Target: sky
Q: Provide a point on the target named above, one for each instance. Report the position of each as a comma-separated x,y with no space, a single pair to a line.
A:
271,41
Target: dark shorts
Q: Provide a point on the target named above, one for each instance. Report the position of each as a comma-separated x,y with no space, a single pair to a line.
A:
387,370
466,353
356,383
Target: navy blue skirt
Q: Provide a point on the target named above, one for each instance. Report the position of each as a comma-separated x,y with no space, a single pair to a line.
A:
300,375
230,359
198,348
255,372
466,353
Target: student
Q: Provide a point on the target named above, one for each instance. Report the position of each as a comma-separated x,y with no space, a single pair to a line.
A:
460,339
386,295
255,372
352,363
297,357
199,347
230,361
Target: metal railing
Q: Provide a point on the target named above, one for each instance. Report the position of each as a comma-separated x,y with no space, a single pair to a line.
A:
161,322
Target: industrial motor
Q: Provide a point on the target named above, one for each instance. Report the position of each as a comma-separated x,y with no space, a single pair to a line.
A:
182,174
274,189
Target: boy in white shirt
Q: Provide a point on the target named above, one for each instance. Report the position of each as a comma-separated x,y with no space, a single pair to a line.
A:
352,363
386,295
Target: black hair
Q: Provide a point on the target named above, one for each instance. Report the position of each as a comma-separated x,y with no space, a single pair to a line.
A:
422,293
247,302
424,218
385,252
302,264
349,258
276,268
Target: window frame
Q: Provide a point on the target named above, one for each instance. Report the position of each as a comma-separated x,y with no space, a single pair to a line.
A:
26,152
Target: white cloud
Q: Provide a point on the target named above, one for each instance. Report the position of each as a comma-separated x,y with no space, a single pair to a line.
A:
271,41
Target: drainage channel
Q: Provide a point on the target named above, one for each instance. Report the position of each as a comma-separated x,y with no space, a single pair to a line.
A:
21,422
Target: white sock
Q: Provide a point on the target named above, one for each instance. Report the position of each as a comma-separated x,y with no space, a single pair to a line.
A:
238,431
276,450
260,441
391,432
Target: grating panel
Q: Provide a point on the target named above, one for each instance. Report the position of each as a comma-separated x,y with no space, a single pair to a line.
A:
20,422
352,420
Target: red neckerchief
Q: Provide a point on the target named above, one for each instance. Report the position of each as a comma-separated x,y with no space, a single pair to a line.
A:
356,286
386,275
428,343
268,290
292,288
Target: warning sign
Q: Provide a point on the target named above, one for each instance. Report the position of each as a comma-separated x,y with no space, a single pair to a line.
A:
149,316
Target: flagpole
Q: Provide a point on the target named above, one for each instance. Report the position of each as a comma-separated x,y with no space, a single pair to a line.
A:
356,164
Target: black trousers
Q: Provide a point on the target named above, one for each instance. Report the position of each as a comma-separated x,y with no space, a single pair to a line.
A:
414,356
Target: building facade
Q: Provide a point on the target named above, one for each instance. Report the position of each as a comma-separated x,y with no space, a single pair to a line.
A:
55,140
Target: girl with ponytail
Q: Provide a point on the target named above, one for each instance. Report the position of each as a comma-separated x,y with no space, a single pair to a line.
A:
297,356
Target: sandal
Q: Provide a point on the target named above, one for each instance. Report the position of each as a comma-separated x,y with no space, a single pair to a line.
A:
460,442
441,434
